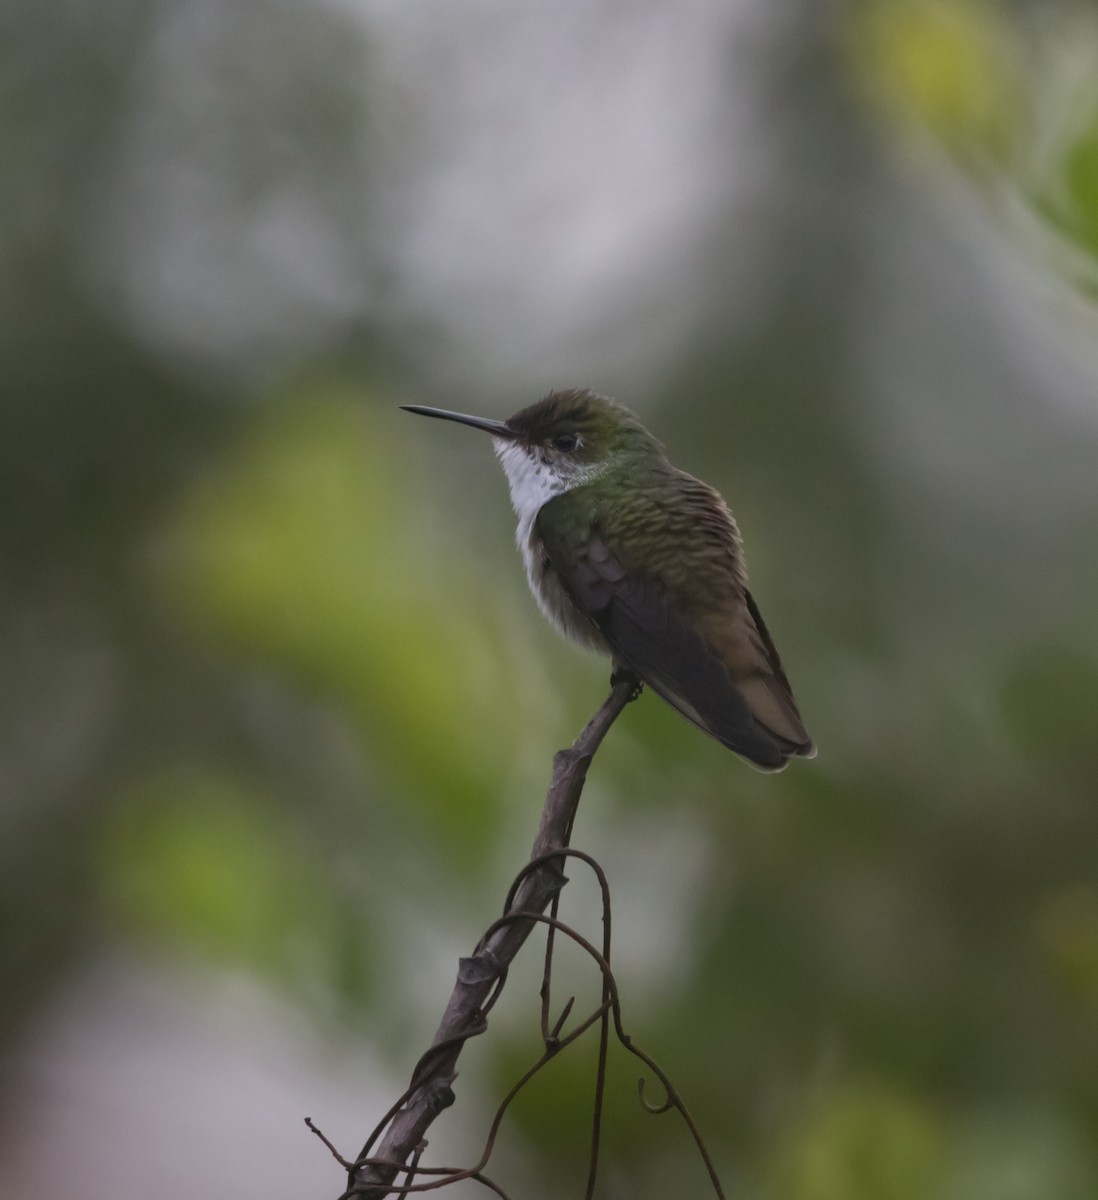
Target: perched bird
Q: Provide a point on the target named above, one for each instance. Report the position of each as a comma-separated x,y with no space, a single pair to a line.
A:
630,556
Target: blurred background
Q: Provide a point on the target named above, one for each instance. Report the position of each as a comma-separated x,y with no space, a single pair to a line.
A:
278,711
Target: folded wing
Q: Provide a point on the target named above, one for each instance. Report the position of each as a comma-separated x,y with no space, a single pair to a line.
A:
730,684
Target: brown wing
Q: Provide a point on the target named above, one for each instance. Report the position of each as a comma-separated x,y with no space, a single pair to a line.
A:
747,707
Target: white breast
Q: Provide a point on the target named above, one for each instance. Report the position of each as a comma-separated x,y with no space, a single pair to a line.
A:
533,484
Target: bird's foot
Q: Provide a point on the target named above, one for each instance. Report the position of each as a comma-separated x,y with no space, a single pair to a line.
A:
622,674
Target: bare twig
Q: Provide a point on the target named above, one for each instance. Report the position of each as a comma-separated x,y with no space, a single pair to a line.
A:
334,1152
481,976
433,1178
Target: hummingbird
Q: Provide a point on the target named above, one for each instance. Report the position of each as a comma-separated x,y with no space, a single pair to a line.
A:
630,556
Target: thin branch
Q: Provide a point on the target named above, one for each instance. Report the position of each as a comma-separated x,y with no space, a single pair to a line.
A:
481,977
440,1177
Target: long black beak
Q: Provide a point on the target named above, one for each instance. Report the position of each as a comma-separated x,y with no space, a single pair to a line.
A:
496,428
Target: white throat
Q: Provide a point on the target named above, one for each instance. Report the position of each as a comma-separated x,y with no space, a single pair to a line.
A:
532,482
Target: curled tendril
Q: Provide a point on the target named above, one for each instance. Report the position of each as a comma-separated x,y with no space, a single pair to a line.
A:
655,1109
607,1016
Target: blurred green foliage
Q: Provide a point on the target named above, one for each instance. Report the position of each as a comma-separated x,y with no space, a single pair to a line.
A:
863,1143
951,67
1069,200
1011,97
275,700
302,551
199,861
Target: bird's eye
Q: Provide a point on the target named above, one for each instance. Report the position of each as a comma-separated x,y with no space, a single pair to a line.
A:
565,441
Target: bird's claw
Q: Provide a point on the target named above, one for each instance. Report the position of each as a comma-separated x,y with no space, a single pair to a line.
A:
622,674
